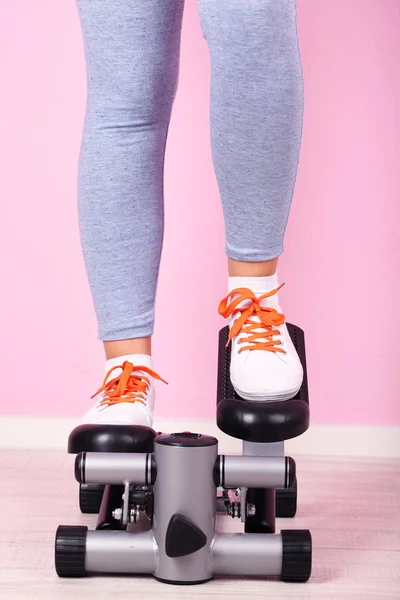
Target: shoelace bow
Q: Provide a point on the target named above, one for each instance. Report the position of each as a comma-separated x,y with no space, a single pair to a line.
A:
127,386
269,318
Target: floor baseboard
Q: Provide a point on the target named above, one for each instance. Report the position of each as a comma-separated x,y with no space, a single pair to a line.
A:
23,432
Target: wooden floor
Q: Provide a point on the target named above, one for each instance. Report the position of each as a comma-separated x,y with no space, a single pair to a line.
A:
351,507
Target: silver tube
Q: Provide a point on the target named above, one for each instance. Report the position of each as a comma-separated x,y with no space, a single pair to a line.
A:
116,468
246,554
253,471
184,485
120,552
263,449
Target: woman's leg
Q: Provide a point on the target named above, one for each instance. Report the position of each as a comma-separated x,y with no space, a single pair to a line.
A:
132,57
256,126
256,119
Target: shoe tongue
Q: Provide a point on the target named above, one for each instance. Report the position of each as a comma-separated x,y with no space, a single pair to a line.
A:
259,286
136,359
271,301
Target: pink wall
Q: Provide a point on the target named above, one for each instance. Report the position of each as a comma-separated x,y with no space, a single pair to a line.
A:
342,245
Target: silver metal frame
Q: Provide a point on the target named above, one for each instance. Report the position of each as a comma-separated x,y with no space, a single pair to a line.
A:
185,484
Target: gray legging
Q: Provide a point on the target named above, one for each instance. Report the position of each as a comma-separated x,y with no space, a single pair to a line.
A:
132,58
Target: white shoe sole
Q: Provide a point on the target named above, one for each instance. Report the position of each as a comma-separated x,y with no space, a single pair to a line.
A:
270,398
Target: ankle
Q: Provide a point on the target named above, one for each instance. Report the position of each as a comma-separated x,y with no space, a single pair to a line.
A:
265,268
116,348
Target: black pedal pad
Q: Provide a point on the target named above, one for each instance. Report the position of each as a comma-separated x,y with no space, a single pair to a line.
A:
111,438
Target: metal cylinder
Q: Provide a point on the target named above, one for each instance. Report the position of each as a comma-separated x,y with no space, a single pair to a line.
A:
255,471
120,552
246,554
184,486
114,468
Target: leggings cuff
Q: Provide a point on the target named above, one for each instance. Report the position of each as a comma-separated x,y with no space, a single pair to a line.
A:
130,331
252,255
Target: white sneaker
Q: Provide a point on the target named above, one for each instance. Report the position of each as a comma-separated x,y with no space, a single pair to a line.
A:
264,363
127,395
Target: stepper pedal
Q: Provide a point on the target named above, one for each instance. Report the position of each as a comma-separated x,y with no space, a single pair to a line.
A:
264,422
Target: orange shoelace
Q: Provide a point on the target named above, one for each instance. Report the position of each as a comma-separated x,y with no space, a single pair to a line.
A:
269,318
127,386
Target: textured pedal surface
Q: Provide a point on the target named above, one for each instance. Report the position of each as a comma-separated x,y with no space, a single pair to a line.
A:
111,438
70,551
297,555
260,421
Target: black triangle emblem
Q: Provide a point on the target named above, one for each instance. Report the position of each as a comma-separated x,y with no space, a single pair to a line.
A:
183,537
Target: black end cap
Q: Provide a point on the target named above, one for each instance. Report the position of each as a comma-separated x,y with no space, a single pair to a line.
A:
186,439
80,461
286,501
290,478
90,497
217,471
183,537
297,555
153,469
70,551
